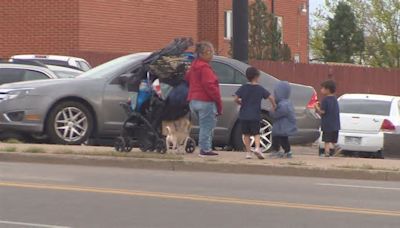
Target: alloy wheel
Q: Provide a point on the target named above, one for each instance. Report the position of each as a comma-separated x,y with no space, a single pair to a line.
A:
266,136
71,124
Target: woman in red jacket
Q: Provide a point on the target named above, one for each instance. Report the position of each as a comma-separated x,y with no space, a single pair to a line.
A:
204,96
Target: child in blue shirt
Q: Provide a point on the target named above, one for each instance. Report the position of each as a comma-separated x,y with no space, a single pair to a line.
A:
330,117
249,96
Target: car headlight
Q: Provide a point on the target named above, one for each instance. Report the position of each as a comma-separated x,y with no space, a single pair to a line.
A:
18,93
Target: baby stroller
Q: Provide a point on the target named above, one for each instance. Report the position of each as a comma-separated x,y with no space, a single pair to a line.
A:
151,103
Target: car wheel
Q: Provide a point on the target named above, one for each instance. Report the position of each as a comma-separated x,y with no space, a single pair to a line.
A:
69,123
380,155
265,132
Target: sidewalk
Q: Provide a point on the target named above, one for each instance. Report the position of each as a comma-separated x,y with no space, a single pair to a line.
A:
304,163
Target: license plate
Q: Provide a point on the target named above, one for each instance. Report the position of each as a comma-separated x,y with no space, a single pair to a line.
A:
352,140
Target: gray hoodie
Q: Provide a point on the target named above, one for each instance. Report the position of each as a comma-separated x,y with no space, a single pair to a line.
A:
284,115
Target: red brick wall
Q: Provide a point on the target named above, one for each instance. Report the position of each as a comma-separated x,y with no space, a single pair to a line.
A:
208,21
38,26
86,28
295,25
134,26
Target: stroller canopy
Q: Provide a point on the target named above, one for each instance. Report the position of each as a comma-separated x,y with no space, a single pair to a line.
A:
165,64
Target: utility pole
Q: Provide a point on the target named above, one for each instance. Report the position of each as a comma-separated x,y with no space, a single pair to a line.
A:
240,38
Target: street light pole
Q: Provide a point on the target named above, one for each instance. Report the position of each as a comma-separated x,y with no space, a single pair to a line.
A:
240,9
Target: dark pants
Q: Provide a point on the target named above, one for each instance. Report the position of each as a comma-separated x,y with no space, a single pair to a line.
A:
280,141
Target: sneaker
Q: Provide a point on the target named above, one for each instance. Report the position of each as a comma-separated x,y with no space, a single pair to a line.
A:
248,156
337,151
206,154
274,154
259,154
289,155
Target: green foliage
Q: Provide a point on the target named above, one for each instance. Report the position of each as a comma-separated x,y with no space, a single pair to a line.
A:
265,41
343,40
380,20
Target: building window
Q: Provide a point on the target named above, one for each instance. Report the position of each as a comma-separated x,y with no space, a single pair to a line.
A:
279,26
228,25
296,58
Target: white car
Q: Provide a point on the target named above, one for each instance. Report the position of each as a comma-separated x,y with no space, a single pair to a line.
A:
366,121
25,70
64,61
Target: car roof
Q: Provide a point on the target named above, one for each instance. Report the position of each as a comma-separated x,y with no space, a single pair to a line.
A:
54,57
369,96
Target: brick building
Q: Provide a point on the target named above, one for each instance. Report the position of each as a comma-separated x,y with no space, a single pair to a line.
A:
99,30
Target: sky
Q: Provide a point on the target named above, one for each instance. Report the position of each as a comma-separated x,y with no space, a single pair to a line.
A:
314,4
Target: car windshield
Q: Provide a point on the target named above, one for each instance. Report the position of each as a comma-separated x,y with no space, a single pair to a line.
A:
116,66
67,74
364,106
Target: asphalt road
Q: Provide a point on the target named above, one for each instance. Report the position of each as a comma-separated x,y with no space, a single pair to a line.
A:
38,195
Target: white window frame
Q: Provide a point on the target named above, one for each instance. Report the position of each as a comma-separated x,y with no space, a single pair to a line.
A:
279,21
228,24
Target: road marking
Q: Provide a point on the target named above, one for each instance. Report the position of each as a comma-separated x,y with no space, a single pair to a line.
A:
202,198
30,224
358,186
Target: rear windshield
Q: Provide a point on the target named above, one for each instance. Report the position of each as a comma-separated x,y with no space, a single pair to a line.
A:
362,106
53,62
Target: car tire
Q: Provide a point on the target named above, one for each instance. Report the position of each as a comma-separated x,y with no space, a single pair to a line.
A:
380,155
69,123
237,140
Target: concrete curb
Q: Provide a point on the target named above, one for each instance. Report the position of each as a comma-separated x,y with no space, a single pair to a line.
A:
177,165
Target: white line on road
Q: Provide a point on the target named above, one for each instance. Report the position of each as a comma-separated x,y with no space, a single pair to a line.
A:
358,186
30,224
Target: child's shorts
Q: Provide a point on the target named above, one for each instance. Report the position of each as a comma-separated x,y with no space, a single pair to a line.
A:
250,127
330,136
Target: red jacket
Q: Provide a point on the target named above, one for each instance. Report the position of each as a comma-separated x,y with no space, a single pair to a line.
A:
203,84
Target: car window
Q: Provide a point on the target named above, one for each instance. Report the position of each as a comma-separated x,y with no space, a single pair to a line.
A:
53,62
227,75
363,106
8,75
84,66
114,67
240,78
399,107
30,75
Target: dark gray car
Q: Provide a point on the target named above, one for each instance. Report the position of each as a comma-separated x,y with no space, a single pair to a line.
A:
71,111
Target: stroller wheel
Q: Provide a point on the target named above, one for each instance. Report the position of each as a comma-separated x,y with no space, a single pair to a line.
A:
128,145
120,144
190,146
161,146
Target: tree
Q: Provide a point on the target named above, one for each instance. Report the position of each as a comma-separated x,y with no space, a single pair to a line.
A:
265,40
343,40
380,20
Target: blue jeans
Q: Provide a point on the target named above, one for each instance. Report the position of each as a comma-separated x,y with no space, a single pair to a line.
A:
206,113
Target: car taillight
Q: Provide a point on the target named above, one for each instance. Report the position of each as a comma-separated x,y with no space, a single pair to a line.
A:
387,125
313,100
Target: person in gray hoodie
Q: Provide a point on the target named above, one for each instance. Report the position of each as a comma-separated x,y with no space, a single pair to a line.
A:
284,120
